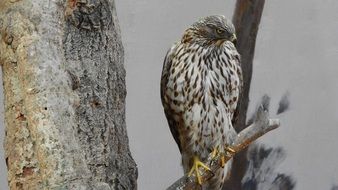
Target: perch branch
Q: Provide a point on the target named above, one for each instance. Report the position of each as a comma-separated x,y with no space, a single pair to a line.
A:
258,128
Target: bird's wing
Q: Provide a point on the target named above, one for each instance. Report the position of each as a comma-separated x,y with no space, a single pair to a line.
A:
173,125
237,111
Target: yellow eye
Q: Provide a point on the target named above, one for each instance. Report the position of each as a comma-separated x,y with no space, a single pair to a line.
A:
219,31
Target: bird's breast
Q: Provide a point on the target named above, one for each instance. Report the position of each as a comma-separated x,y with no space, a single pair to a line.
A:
203,88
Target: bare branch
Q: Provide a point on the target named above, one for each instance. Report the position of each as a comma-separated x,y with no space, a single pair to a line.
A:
261,126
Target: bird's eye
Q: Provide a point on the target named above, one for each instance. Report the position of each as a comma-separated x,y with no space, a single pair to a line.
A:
219,31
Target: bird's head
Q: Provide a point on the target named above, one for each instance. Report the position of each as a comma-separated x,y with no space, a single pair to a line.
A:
214,29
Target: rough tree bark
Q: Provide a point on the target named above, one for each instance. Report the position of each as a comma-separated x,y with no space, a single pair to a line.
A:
64,88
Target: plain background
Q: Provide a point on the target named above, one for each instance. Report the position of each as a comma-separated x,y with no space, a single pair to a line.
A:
296,51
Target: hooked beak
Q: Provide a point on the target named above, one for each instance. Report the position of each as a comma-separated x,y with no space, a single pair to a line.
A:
233,39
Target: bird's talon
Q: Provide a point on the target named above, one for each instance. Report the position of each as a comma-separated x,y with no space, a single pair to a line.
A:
195,169
214,152
222,161
228,149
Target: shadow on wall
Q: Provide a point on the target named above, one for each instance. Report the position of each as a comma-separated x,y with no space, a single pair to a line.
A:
261,174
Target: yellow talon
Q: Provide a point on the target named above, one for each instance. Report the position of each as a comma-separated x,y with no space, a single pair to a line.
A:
228,149
195,168
222,161
214,152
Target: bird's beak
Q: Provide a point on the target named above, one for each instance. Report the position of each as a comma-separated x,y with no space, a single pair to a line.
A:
233,39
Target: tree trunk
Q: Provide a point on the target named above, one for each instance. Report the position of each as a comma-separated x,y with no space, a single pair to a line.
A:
64,88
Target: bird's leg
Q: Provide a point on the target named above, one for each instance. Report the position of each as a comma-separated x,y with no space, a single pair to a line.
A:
195,169
214,152
222,161
229,152
217,151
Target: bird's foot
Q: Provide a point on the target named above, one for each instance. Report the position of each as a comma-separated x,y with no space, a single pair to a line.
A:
222,161
196,169
228,149
217,151
214,152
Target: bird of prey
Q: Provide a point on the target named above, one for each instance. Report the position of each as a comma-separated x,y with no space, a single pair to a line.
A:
200,87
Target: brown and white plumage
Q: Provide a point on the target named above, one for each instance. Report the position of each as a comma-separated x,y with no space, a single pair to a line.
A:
200,86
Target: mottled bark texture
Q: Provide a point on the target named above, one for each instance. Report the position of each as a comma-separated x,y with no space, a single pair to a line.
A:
64,88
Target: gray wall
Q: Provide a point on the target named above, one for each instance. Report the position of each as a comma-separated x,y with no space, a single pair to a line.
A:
297,51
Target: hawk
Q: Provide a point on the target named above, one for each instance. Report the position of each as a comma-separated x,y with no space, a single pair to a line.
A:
200,87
